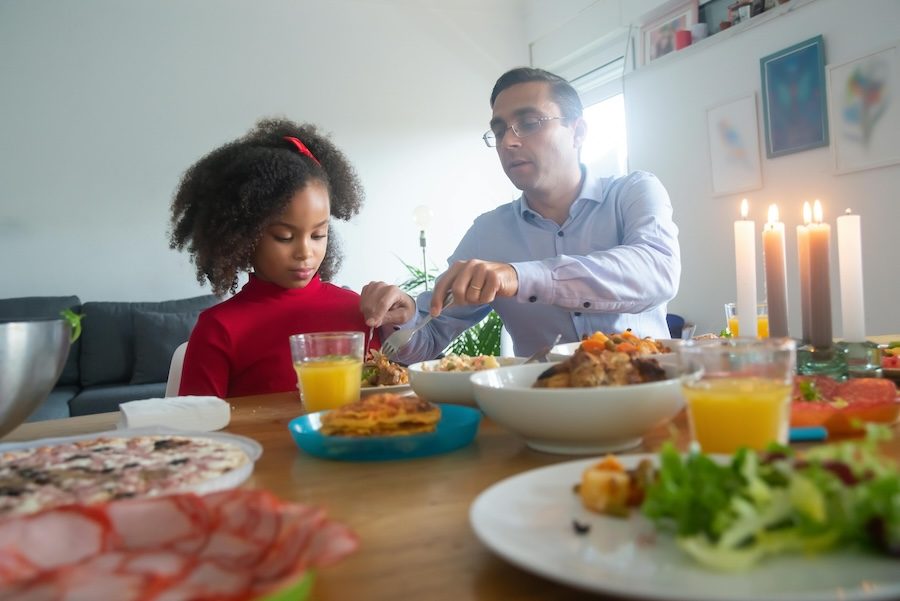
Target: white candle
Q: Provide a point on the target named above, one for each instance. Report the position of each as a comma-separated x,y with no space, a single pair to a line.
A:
776,278
803,264
819,280
850,271
745,267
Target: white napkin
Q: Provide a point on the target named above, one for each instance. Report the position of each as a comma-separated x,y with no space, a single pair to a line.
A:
200,413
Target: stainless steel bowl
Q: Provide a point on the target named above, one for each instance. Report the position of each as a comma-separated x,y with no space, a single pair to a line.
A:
32,355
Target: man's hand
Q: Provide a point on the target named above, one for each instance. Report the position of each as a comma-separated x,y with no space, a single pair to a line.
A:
385,304
474,282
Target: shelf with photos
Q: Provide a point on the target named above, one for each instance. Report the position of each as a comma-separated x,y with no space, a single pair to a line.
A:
679,28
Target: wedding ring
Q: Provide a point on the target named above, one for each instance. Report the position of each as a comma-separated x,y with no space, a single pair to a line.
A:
474,287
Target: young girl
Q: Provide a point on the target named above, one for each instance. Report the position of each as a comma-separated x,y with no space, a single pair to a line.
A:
264,203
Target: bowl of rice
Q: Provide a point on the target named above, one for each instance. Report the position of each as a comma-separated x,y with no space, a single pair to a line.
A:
447,380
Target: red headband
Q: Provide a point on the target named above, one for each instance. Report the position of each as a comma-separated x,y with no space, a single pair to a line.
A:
303,149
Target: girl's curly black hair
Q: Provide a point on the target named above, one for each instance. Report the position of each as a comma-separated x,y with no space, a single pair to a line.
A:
226,199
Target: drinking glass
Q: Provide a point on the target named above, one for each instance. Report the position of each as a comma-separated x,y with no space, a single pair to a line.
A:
738,391
329,368
762,319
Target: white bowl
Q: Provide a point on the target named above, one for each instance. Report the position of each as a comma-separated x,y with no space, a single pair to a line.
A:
560,352
573,421
447,386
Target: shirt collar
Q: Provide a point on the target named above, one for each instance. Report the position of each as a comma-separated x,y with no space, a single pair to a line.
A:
591,189
257,287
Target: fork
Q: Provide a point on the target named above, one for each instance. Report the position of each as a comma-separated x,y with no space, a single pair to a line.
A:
541,355
401,338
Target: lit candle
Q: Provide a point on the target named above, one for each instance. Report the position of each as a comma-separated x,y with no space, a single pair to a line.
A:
819,280
776,279
803,265
850,270
745,267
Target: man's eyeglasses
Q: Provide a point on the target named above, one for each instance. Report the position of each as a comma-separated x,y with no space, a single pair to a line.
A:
523,128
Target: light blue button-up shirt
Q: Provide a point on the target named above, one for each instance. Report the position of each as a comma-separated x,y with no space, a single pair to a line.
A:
613,264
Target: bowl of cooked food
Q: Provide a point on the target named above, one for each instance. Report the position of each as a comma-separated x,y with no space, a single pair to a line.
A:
593,402
380,374
446,380
625,341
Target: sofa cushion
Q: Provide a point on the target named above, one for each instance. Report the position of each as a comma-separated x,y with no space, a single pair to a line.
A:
56,406
45,307
156,336
107,340
100,399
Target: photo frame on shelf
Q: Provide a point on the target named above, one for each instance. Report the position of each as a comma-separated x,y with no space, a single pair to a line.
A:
863,97
793,94
658,35
733,133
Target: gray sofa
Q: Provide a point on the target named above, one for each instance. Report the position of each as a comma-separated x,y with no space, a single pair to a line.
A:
123,353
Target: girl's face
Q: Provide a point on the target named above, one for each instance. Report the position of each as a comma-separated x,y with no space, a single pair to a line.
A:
293,245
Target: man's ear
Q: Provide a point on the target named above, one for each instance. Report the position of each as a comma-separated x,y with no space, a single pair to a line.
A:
580,128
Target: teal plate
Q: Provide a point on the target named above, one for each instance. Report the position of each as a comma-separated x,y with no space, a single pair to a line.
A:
456,429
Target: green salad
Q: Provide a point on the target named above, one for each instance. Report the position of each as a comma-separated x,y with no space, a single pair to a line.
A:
730,515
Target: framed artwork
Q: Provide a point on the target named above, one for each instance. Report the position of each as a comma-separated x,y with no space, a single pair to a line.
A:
658,36
734,146
863,97
793,92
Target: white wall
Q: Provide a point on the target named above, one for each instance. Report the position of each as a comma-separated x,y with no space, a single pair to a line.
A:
104,104
666,106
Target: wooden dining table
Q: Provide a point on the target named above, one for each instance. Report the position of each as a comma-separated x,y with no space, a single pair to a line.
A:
411,515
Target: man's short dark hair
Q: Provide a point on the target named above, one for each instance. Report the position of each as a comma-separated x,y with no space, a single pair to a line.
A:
562,91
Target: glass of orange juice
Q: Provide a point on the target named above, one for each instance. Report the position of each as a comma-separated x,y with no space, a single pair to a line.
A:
762,319
329,368
738,391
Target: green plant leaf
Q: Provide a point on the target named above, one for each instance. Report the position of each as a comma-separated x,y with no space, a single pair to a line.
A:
74,320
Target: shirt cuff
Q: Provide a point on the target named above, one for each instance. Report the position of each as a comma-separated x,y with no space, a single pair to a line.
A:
535,283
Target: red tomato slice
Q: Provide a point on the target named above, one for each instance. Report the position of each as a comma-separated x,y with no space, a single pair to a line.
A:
867,400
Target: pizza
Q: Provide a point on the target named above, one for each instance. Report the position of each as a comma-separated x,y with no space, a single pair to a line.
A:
382,414
107,468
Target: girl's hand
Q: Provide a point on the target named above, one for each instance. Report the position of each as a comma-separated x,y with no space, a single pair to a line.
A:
385,304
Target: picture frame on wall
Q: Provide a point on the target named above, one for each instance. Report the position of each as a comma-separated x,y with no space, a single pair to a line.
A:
658,35
863,99
733,132
793,94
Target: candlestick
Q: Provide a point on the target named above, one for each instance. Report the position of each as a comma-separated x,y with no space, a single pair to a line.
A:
775,274
819,280
745,267
851,280
803,265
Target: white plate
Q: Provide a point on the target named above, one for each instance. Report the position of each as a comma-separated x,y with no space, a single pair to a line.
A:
527,519
232,479
401,389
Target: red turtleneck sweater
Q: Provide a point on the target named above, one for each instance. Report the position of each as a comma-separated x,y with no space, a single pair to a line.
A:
240,346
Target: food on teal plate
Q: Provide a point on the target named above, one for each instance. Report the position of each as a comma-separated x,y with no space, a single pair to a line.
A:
382,414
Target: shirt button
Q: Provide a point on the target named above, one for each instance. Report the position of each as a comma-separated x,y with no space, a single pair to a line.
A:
560,234
577,313
586,304
532,299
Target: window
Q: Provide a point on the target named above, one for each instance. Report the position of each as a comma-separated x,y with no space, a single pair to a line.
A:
605,149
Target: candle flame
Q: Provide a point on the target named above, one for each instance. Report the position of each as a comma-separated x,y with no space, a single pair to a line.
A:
773,214
847,211
807,213
745,208
817,211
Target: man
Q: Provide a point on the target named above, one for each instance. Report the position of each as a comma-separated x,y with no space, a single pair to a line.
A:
576,253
